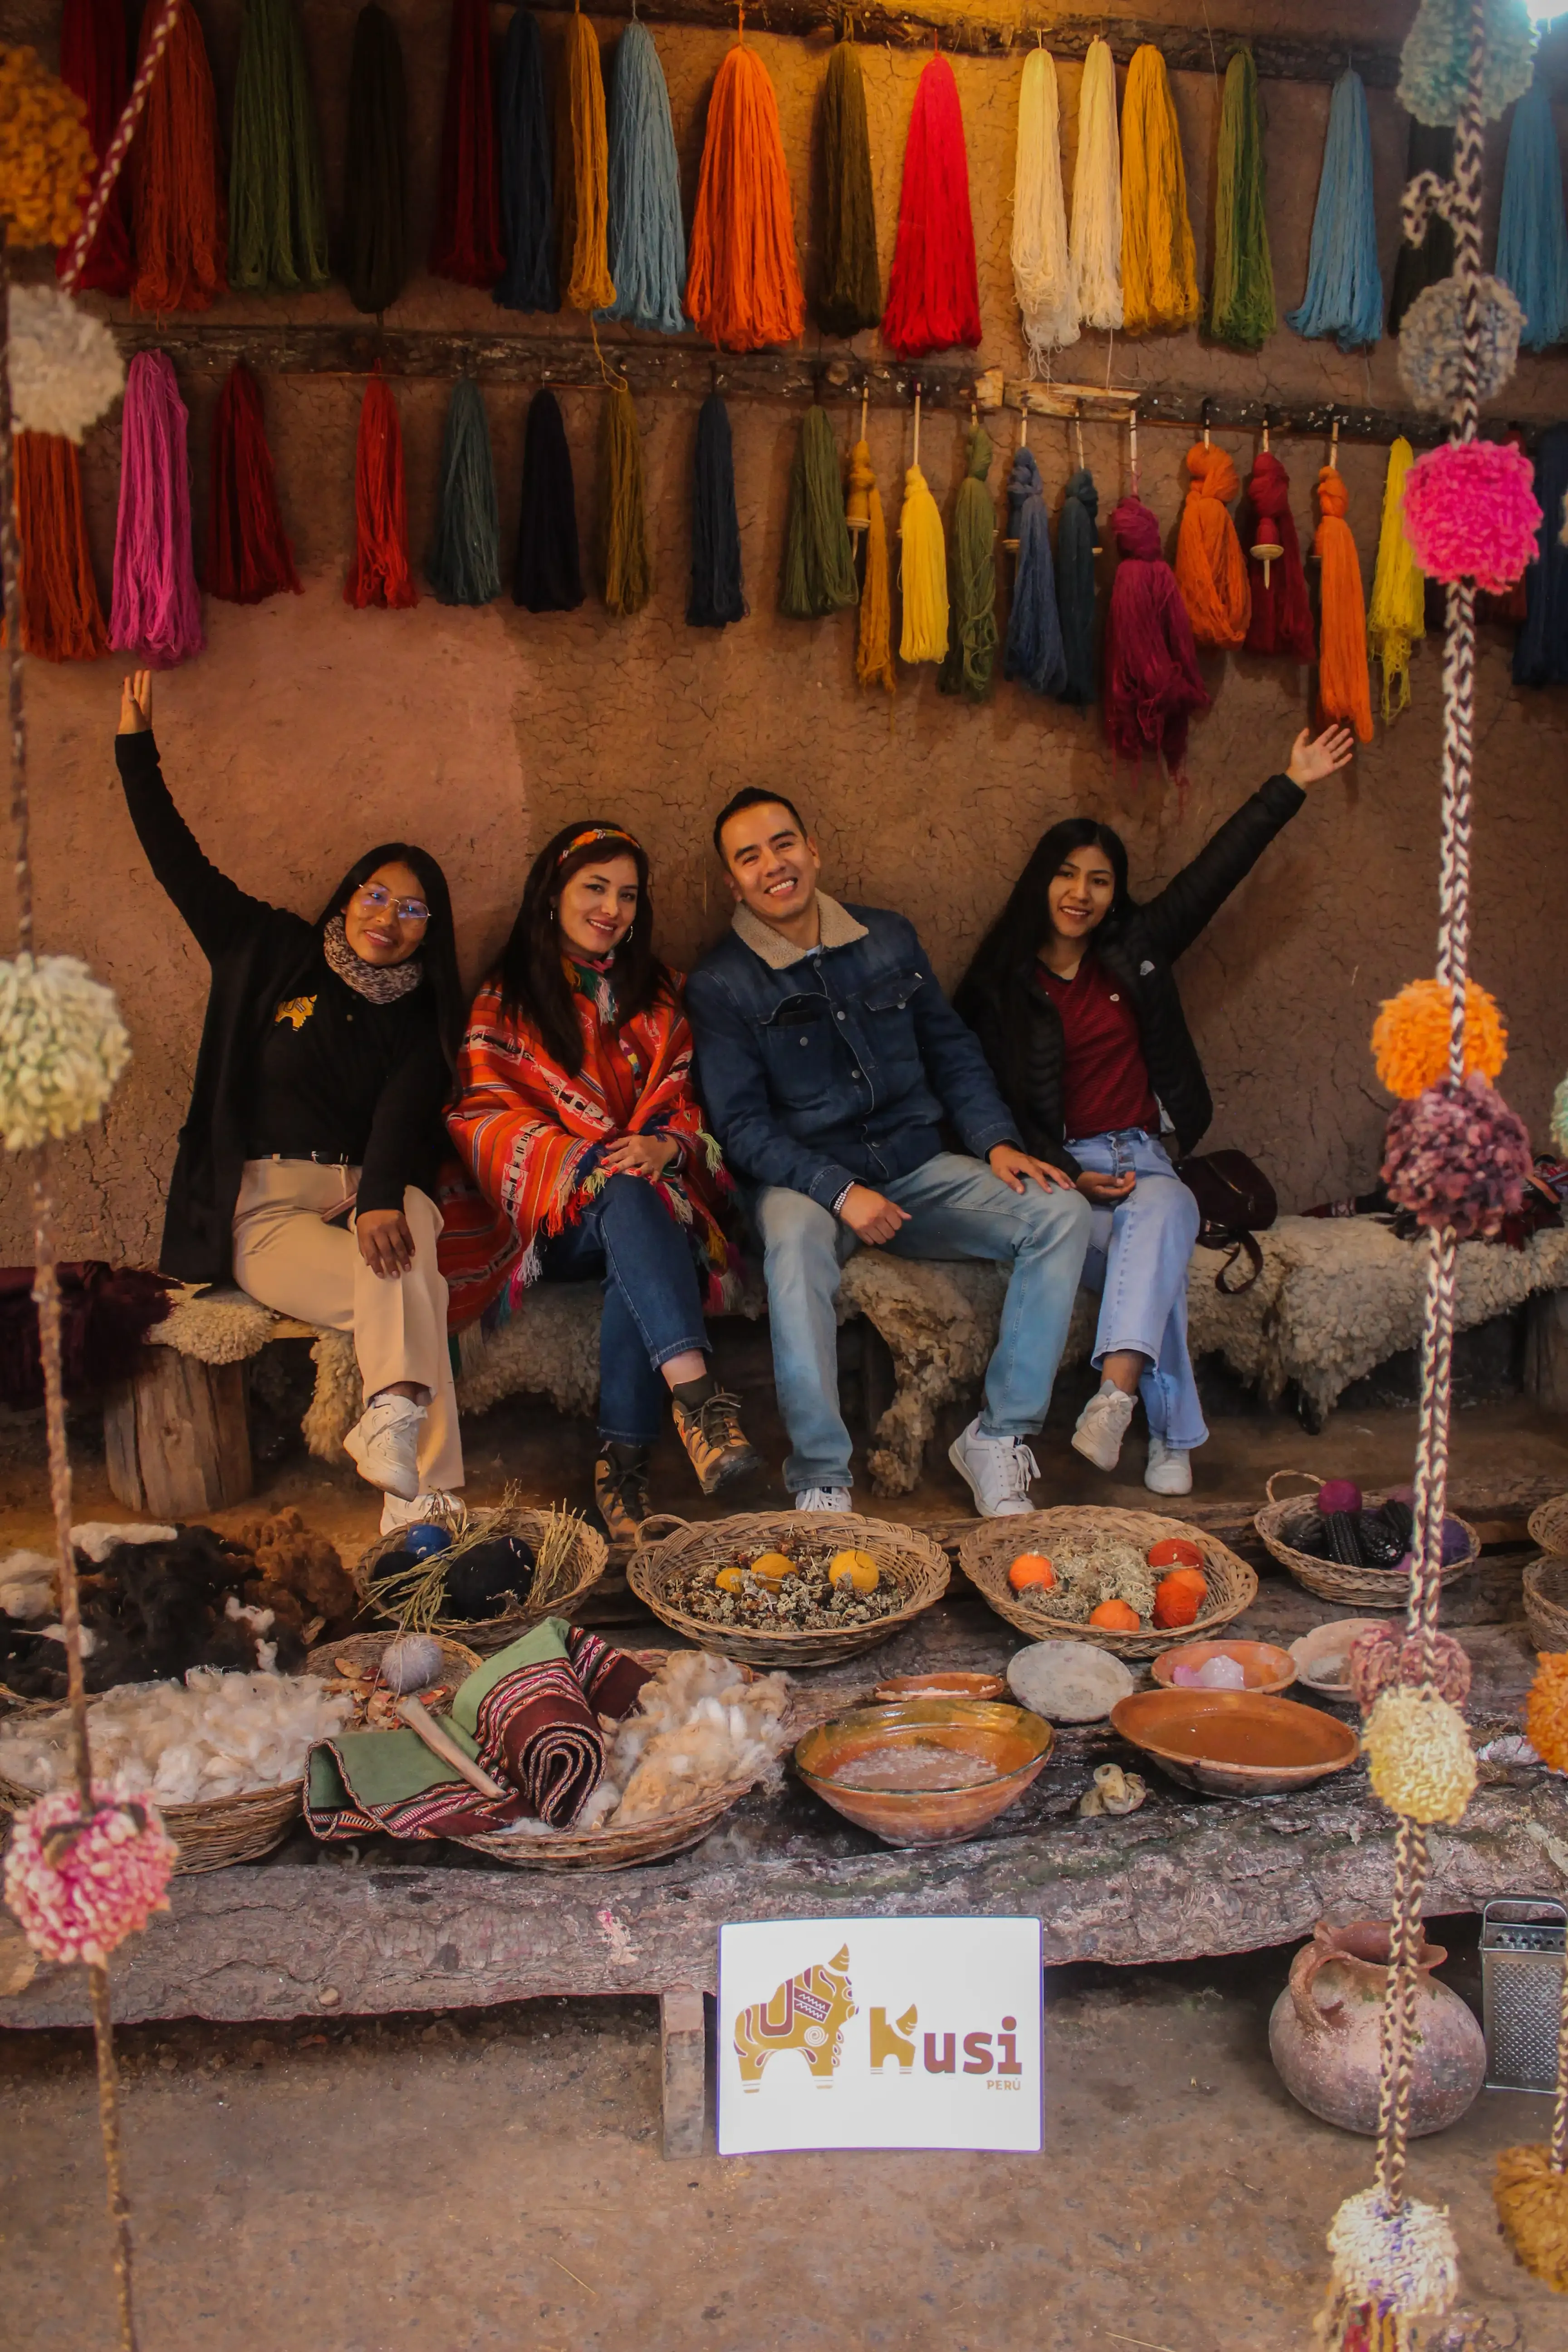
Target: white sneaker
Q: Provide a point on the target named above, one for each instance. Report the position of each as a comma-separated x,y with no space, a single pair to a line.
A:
824,1499
435,1507
1170,1470
997,1470
383,1445
1102,1425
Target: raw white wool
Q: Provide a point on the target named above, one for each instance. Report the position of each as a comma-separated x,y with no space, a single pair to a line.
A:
98,1538
215,1735
26,1585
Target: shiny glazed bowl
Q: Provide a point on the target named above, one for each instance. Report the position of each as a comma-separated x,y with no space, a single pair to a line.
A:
941,1686
1266,1667
1013,1742
1235,1743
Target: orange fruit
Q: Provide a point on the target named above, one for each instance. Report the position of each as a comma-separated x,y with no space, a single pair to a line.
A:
1176,1551
773,1567
1176,1603
1031,1568
855,1567
1118,1615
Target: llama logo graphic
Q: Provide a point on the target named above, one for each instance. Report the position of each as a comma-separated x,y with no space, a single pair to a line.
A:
808,2013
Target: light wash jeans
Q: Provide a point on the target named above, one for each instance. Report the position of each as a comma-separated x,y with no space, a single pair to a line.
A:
957,1208
1138,1258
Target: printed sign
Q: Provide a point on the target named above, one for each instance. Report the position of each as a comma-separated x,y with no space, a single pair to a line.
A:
880,2034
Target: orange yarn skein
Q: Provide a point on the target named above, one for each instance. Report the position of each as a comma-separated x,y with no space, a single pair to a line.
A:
1344,686
179,217
743,283
62,619
1210,570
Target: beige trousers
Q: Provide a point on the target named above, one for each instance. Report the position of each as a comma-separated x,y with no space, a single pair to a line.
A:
289,1259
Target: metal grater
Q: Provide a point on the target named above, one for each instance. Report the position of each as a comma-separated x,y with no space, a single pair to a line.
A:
1523,1943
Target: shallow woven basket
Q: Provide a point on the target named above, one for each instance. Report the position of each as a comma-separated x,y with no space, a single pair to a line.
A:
991,1546
488,1634
364,1649
1361,1588
912,1561
1549,1525
1546,1587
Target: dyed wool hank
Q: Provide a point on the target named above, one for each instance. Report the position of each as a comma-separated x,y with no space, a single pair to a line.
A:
248,555
933,292
851,290
1153,683
1159,261
1211,572
1344,688
1281,619
743,285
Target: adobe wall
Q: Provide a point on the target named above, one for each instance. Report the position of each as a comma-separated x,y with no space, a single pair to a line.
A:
308,729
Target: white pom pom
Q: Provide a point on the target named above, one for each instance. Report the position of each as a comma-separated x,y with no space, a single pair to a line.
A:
411,1663
62,1046
65,367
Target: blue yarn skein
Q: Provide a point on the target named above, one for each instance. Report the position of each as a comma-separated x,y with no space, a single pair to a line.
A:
463,566
1075,586
1533,236
527,182
1034,654
647,236
1540,655
1344,285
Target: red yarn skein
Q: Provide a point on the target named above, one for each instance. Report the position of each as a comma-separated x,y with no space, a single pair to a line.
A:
248,555
1282,612
933,292
380,573
92,64
467,244
1153,684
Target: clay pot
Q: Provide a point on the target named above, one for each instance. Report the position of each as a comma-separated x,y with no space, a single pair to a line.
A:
1324,2033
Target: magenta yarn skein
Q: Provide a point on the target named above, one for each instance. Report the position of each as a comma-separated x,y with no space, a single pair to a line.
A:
156,609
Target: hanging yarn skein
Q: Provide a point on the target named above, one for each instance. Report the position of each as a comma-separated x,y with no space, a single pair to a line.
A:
548,576
1075,586
1344,689
1532,233
276,211
743,283
1153,683
1034,654
1211,571
851,296
646,246
155,610
1345,287
922,572
1398,615
62,619
1241,303
874,664
972,579
527,172
1281,619
933,289
1042,272
380,573
463,566
585,212
248,555
628,556
1159,261
717,596
1541,652
466,245
179,225
1094,246
376,165
1429,262
92,64
819,572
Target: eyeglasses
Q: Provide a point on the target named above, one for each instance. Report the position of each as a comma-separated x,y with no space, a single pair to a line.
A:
374,898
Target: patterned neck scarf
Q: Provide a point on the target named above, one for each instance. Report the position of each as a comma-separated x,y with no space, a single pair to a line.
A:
378,983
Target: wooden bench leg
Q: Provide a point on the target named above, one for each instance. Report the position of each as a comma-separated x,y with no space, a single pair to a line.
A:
683,2045
176,1440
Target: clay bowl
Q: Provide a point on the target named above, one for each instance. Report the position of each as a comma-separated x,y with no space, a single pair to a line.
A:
1235,1743
1266,1667
945,1686
1325,1644
1013,1743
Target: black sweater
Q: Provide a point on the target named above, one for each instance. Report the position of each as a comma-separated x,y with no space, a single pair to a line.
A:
1021,1029
260,956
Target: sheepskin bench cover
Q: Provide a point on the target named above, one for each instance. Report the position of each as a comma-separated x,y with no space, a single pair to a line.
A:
1336,1298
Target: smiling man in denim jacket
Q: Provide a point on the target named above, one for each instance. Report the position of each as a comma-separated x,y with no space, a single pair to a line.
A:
826,1057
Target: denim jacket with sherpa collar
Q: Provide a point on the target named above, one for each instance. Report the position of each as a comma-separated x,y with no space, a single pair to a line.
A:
825,1066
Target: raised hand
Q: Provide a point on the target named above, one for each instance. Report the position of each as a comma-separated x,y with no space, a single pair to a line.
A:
1314,757
135,703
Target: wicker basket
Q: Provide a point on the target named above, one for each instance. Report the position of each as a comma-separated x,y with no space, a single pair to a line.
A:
1546,1586
991,1546
211,1836
363,1651
669,1547
1549,1525
488,1634
1355,1588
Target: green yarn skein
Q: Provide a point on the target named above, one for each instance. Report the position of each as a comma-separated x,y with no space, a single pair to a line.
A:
818,560
971,580
276,212
1435,63
1241,310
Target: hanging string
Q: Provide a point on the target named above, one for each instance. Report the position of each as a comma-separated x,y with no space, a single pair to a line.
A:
743,283
1398,615
1042,273
647,236
716,595
1540,654
62,619
1211,571
1532,233
874,664
1428,262
466,245
818,570
586,216
1281,619
179,225
933,292
922,565
1159,261
92,64
463,566
376,165
155,609
1153,683
548,576
1075,584
248,555
972,579
1343,687
527,166
851,295
629,560
1034,655
276,212
1241,304
380,573
1094,247
1345,287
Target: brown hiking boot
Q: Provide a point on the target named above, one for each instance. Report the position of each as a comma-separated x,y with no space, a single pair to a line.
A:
712,1436
620,1490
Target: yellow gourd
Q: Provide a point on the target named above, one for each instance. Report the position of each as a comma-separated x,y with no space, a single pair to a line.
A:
856,1567
773,1567
730,1580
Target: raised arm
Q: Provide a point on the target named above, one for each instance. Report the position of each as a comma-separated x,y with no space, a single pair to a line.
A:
216,911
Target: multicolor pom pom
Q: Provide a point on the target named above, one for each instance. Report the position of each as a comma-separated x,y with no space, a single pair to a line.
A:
1432,342
62,1046
1397,2262
1435,63
1532,2207
1457,1156
1419,1756
1410,1035
1385,1656
79,1888
1470,512
1546,1716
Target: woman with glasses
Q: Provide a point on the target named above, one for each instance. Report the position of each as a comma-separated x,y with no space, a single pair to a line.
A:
306,1167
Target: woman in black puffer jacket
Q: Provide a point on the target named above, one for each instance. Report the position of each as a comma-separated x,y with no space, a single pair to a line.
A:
1073,998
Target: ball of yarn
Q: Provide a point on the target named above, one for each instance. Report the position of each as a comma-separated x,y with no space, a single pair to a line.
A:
62,1046
411,1662
1532,2204
1410,1035
1457,1156
1432,342
1435,63
1470,511
1419,1755
1336,1495
421,1542
1546,1714
1386,1655
1401,2257
78,1894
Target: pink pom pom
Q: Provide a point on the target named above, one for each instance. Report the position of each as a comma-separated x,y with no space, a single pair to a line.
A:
1457,1156
1337,1495
78,1891
1471,510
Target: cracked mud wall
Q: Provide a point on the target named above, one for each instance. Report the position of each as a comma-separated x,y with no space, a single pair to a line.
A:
308,729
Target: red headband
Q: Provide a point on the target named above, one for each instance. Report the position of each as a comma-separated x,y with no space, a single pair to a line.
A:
598,832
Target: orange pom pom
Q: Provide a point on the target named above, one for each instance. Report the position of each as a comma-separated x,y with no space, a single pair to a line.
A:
1410,1036
1115,1615
1179,1599
1031,1568
1546,1717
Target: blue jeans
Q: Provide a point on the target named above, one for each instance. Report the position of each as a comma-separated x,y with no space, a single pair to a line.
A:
957,1208
653,1309
1138,1258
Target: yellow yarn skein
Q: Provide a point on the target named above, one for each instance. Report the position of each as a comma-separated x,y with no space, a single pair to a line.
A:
1159,261
590,286
922,574
1398,615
